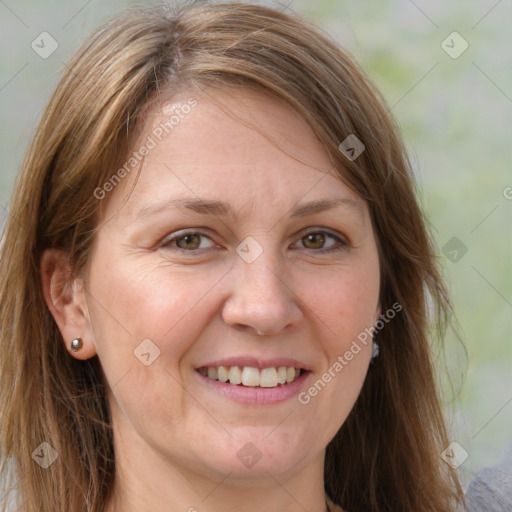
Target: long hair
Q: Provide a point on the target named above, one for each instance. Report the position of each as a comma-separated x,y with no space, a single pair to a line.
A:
386,456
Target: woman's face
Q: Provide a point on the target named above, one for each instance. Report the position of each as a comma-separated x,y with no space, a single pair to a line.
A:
225,235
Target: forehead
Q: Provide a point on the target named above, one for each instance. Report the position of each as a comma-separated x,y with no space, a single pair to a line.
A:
238,147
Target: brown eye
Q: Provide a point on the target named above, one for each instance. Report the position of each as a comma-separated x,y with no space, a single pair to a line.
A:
322,242
191,241
188,242
314,240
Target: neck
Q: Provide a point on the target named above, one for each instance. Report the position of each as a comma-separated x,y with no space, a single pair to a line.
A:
197,494
229,499
147,481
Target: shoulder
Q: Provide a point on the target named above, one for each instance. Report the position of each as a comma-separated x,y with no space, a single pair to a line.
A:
491,489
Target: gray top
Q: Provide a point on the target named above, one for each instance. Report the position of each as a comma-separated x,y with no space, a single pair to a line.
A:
491,489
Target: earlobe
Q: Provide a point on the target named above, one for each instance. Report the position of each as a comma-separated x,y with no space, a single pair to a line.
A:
65,298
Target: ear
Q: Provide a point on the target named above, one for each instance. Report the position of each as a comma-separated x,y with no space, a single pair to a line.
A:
66,301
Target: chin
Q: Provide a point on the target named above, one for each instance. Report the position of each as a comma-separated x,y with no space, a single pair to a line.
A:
256,454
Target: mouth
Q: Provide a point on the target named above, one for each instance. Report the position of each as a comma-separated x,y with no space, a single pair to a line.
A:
254,381
250,376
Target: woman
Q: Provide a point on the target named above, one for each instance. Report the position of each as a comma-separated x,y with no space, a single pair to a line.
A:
214,281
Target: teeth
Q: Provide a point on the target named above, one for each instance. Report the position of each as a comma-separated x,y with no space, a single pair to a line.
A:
223,373
250,376
268,378
235,375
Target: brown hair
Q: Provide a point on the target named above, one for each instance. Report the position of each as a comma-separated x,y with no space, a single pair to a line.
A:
395,433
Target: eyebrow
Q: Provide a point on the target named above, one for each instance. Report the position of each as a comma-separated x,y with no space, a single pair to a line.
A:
222,209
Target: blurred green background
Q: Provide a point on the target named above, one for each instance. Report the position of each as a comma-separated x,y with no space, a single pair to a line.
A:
455,115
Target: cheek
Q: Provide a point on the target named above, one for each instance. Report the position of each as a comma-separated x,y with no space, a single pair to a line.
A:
346,305
130,293
132,302
146,314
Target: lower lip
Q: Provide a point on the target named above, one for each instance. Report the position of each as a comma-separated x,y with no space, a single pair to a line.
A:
255,395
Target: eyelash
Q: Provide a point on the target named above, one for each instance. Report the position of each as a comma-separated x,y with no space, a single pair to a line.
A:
166,243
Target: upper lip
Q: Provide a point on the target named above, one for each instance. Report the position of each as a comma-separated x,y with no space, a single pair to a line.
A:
255,362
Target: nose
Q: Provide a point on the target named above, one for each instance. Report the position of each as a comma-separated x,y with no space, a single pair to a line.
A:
260,300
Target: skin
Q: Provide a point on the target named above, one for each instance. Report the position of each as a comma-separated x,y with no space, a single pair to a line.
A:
176,440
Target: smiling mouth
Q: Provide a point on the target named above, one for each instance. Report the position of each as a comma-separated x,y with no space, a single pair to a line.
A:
252,377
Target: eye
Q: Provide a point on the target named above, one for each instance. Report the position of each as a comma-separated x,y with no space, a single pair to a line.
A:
318,239
187,241
193,241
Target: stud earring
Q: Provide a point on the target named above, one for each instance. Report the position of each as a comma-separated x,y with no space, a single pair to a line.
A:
375,350
77,344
